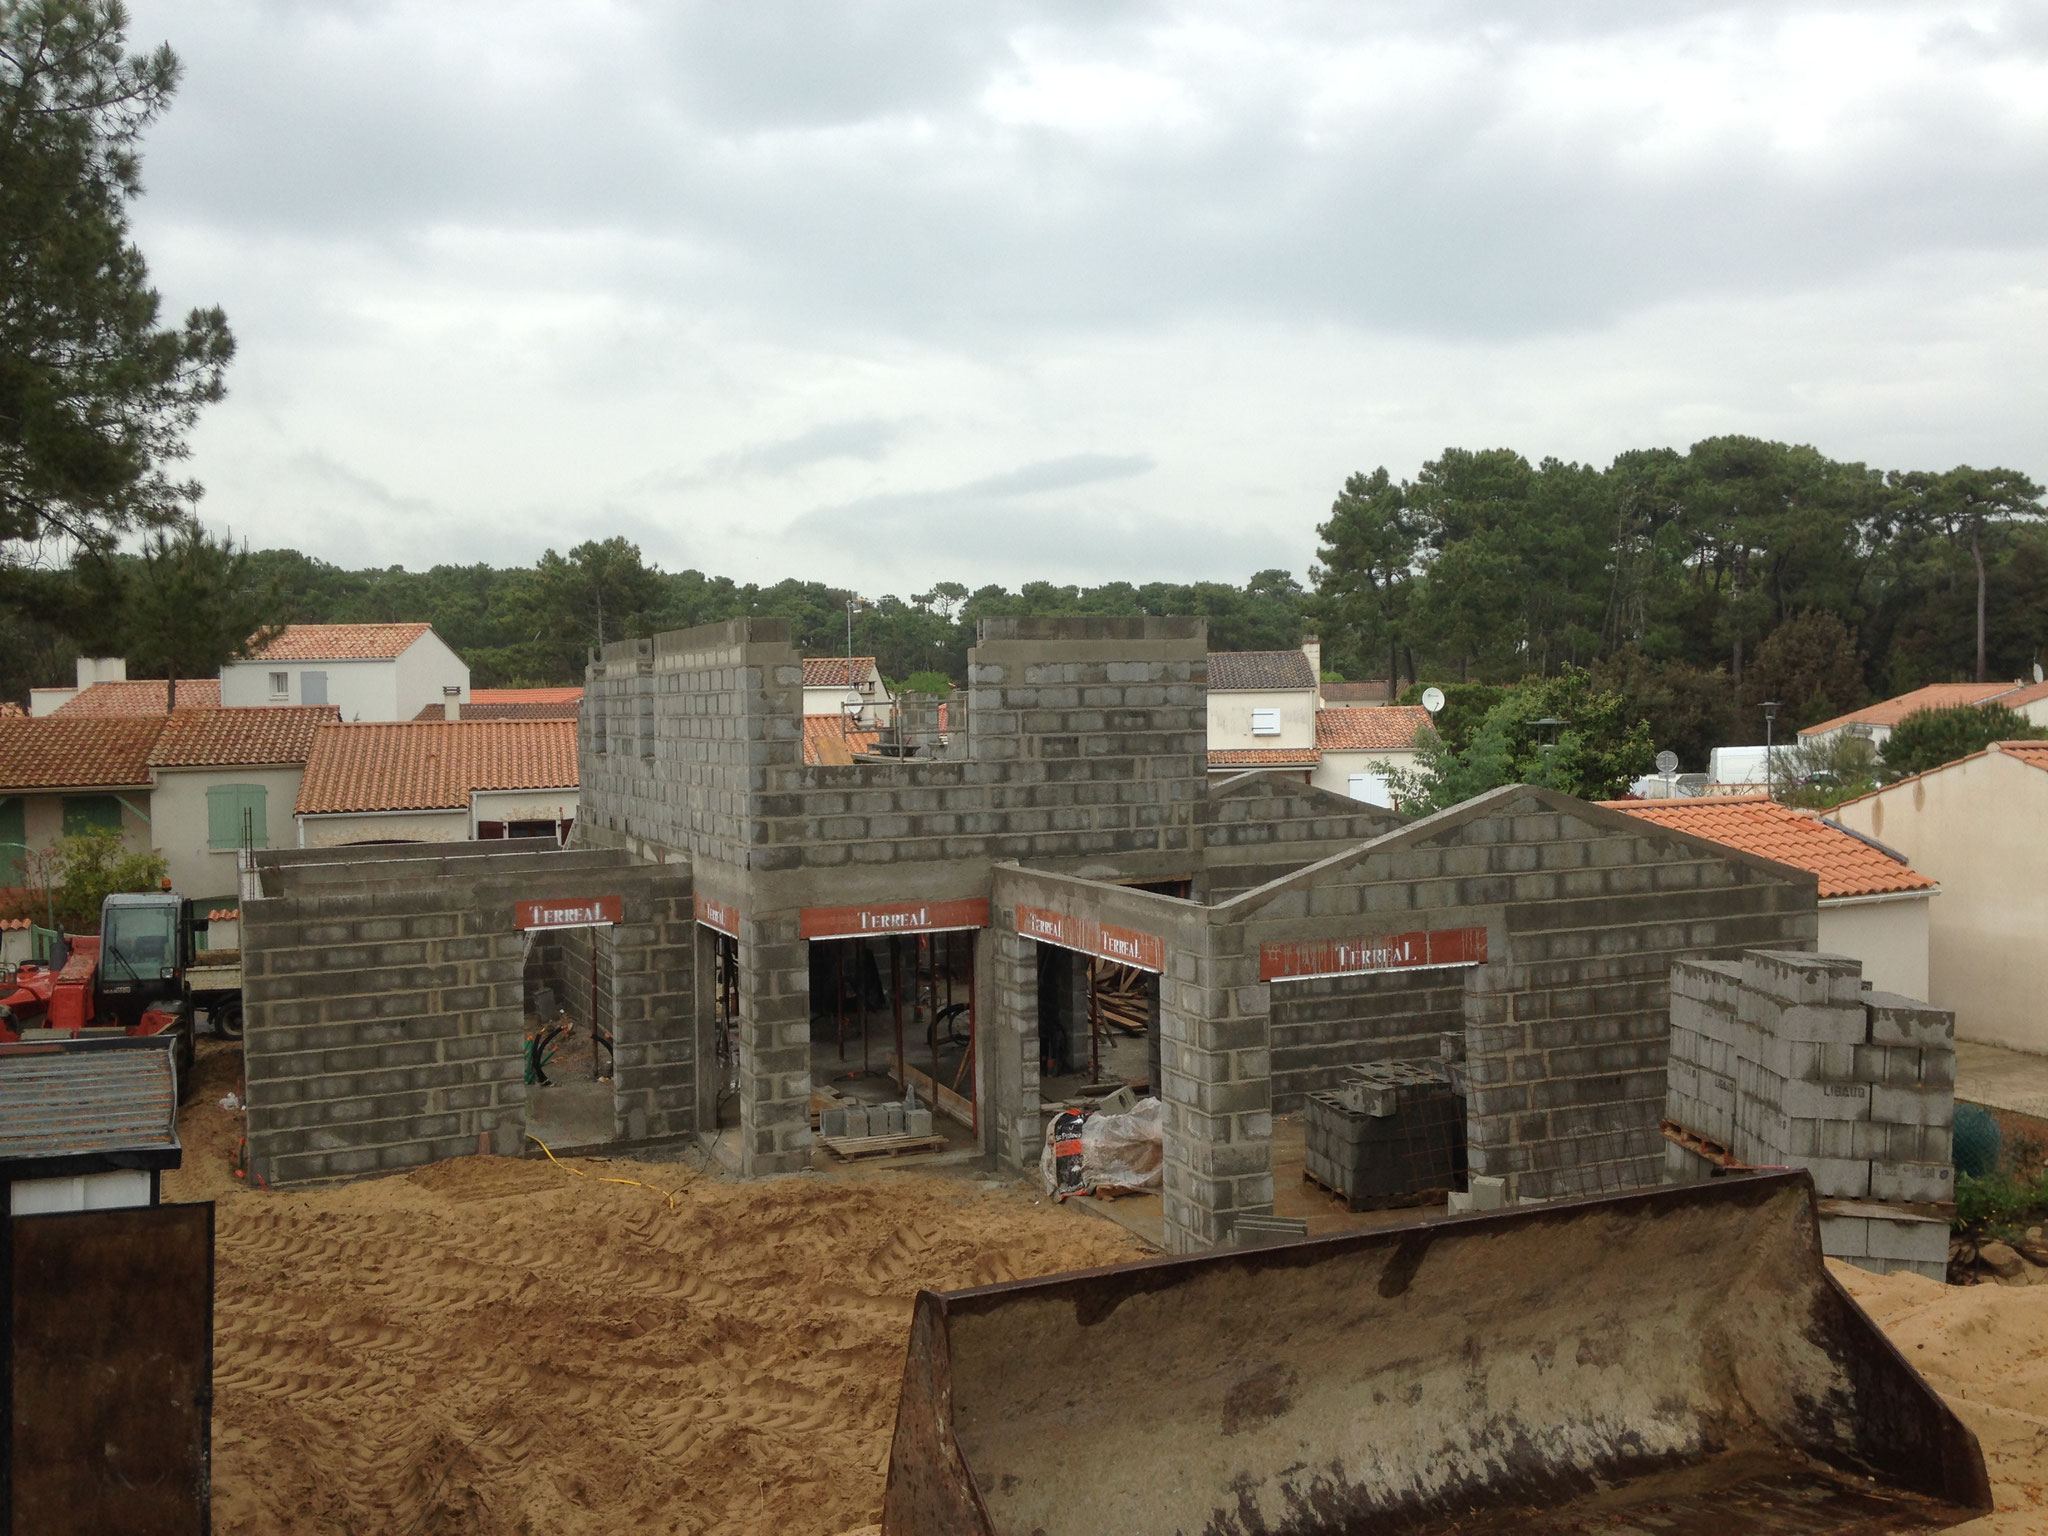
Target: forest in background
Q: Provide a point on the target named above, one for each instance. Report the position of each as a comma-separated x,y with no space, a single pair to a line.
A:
1694,585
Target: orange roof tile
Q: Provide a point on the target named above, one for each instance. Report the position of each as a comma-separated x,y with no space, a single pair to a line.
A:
224,915
489,711
432,765
1890,712
2030,693
837,671
1756,824
141,696
828,743
2033,753
340,642
1389,729
1265,757
240,737
525,696
93,752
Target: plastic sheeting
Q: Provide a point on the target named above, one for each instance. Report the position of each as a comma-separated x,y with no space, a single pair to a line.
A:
1117,1151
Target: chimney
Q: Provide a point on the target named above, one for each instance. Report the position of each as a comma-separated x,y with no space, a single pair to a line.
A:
1312,648
102,669
451,701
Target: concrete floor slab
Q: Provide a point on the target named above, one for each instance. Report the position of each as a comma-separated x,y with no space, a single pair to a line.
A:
2001,1079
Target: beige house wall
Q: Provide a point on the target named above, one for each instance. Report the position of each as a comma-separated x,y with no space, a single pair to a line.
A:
1335,770
182,826
523,805
1230,718
1980,827
1890,937
406,827
43,818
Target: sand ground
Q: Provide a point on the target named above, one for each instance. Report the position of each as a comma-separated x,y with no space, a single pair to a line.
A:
497,1347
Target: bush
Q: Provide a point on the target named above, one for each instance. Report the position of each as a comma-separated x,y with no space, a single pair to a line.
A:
1999,1204
93,866
1927,738
926,682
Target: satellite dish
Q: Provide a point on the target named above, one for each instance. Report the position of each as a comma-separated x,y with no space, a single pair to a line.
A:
1433,699
1667,763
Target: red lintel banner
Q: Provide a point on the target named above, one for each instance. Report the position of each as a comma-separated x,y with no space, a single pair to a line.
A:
1380,952
893,917
722,915
1126,946
570,912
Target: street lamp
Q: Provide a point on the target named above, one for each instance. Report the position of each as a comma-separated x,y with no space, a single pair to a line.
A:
1770,720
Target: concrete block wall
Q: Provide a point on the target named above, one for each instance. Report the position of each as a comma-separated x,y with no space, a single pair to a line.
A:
1008,1047
385,1019
1217,1086
1784,1058
1321,1026
1256,828
384,1030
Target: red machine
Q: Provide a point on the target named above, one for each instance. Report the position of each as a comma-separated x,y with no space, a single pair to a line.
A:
74,996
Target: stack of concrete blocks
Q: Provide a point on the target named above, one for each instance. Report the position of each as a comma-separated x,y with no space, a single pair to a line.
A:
1786,1060
890,1119
1394,1130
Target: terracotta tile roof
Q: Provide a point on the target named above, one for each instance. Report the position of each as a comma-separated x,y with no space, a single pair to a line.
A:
224,915
1244,670
432,765
1391,729
1352,695
240,737
141,696
828,743
94,752
837,671
1264,757
2033,753
2032,693
1756,824
524,696
340,642
1890,712
488,711
9,710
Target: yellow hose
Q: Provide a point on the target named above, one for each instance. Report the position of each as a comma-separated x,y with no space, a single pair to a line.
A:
668,1194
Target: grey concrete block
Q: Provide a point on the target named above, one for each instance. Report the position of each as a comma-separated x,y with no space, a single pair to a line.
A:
1845,1237
1912,1182
1910,1238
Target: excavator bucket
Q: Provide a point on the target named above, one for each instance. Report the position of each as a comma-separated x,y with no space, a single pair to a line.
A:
1675,1361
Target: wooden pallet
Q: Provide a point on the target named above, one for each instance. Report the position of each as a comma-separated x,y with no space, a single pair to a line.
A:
854,1148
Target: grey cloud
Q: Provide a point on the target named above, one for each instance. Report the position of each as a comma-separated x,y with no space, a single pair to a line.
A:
801,166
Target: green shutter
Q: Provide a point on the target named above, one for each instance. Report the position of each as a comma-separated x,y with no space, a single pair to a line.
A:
13,839
91,813
225,804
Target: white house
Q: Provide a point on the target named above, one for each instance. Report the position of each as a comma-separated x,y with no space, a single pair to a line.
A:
1263,702
221,776
1356,747
367,671
1874,905
1873,723
438,781
829,679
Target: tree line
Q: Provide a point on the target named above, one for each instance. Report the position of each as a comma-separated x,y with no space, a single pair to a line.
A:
1696,585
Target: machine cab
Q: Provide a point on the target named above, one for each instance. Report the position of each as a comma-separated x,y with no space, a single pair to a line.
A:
145,949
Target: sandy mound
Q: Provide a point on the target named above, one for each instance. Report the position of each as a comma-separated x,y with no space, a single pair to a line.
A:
492,1345
1985,1349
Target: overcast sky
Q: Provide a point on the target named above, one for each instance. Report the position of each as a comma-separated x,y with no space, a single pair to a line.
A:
890,293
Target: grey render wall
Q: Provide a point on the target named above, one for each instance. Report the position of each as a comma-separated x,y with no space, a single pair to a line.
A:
384,1016
1323,1025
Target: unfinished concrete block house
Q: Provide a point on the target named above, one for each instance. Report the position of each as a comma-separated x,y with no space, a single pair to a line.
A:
1067,816
947,909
